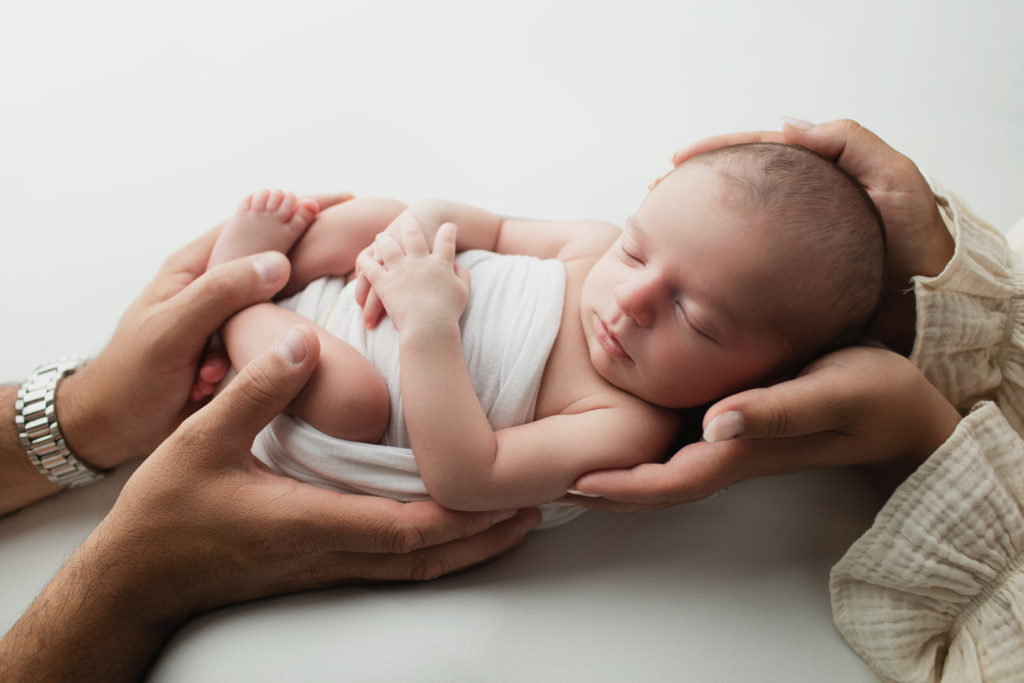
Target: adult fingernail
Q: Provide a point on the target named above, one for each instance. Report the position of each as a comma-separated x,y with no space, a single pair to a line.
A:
292,347
577,492
269,266
502,515
724,427
798,123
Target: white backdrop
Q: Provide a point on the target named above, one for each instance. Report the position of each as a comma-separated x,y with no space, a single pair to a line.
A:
126,128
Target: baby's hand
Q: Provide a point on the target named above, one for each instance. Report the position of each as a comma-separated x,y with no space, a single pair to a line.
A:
373,309
416,286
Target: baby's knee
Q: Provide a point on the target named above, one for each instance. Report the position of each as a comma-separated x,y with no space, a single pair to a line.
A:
371,410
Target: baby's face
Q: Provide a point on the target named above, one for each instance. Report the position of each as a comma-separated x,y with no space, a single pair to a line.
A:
686,306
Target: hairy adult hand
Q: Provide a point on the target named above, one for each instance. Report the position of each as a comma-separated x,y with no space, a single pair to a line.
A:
918,241
124,402
203,524
128,399
857,405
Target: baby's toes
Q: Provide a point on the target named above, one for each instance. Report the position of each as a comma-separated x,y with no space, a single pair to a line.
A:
304,214
274,200
259,200
287,207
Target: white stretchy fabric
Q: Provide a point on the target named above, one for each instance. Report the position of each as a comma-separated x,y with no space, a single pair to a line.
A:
508,329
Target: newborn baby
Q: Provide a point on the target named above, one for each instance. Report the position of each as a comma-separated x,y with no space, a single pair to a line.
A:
564,347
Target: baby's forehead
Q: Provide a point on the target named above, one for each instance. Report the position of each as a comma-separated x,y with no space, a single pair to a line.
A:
724,185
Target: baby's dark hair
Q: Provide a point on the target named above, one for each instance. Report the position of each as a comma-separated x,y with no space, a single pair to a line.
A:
815,206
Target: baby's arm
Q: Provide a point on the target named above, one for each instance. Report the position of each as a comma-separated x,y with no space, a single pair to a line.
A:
331,244
463,461
481,229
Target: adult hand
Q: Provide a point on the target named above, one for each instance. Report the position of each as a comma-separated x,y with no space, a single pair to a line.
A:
918,241
203,524
124,402
856,405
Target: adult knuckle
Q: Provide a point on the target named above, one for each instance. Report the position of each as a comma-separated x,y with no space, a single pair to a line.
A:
404,537
217,285
257,385
427,568
776,418
849,125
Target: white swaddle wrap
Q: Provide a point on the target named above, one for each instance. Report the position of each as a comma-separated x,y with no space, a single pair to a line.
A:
508,328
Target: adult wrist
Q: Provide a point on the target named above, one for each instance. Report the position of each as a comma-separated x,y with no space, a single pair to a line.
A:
88,428
38,423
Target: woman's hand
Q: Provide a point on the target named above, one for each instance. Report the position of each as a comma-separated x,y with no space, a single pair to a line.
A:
857,405
918,241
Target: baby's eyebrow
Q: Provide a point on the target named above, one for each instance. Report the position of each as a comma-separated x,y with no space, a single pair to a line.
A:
639,233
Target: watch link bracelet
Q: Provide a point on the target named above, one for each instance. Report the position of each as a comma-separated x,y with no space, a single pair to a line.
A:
35,415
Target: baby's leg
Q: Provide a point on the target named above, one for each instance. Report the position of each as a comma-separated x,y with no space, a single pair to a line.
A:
345,398
264,221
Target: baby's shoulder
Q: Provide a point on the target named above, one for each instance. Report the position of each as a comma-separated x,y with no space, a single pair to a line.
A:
589,241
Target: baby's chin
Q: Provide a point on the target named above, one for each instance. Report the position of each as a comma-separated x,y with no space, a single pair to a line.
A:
660,398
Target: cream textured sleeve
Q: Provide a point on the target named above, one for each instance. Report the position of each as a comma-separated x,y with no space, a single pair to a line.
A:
934,591
970,318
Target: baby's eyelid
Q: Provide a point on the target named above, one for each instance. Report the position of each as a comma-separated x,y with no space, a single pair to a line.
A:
698,330
629,253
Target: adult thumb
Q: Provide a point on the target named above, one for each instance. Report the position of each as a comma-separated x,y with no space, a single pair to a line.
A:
194,313
262,389
808,404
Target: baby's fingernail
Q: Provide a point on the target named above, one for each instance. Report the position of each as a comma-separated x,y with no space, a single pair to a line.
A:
798,123
502,515
292,347
577,492
269,266
724,427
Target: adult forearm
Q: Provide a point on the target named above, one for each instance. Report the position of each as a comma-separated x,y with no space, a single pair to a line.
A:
93,622
20,481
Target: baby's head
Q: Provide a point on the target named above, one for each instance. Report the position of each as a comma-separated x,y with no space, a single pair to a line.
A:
740,266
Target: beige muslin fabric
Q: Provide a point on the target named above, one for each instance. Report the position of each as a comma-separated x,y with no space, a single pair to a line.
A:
934,591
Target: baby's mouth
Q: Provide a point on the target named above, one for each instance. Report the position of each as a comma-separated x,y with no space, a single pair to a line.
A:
608,341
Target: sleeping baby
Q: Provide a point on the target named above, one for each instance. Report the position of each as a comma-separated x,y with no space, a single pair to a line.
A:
522,354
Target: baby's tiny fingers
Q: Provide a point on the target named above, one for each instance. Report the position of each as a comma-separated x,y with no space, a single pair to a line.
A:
413,239
362,289
373,311
388,250
372,271
444,241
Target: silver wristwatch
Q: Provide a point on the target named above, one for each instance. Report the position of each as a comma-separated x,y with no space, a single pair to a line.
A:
35,415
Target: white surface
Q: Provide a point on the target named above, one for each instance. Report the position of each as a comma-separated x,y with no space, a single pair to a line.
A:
126,128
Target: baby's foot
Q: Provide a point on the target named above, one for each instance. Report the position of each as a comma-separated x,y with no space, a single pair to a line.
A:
264,221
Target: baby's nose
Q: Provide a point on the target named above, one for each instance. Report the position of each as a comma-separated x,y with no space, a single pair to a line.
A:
637,298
